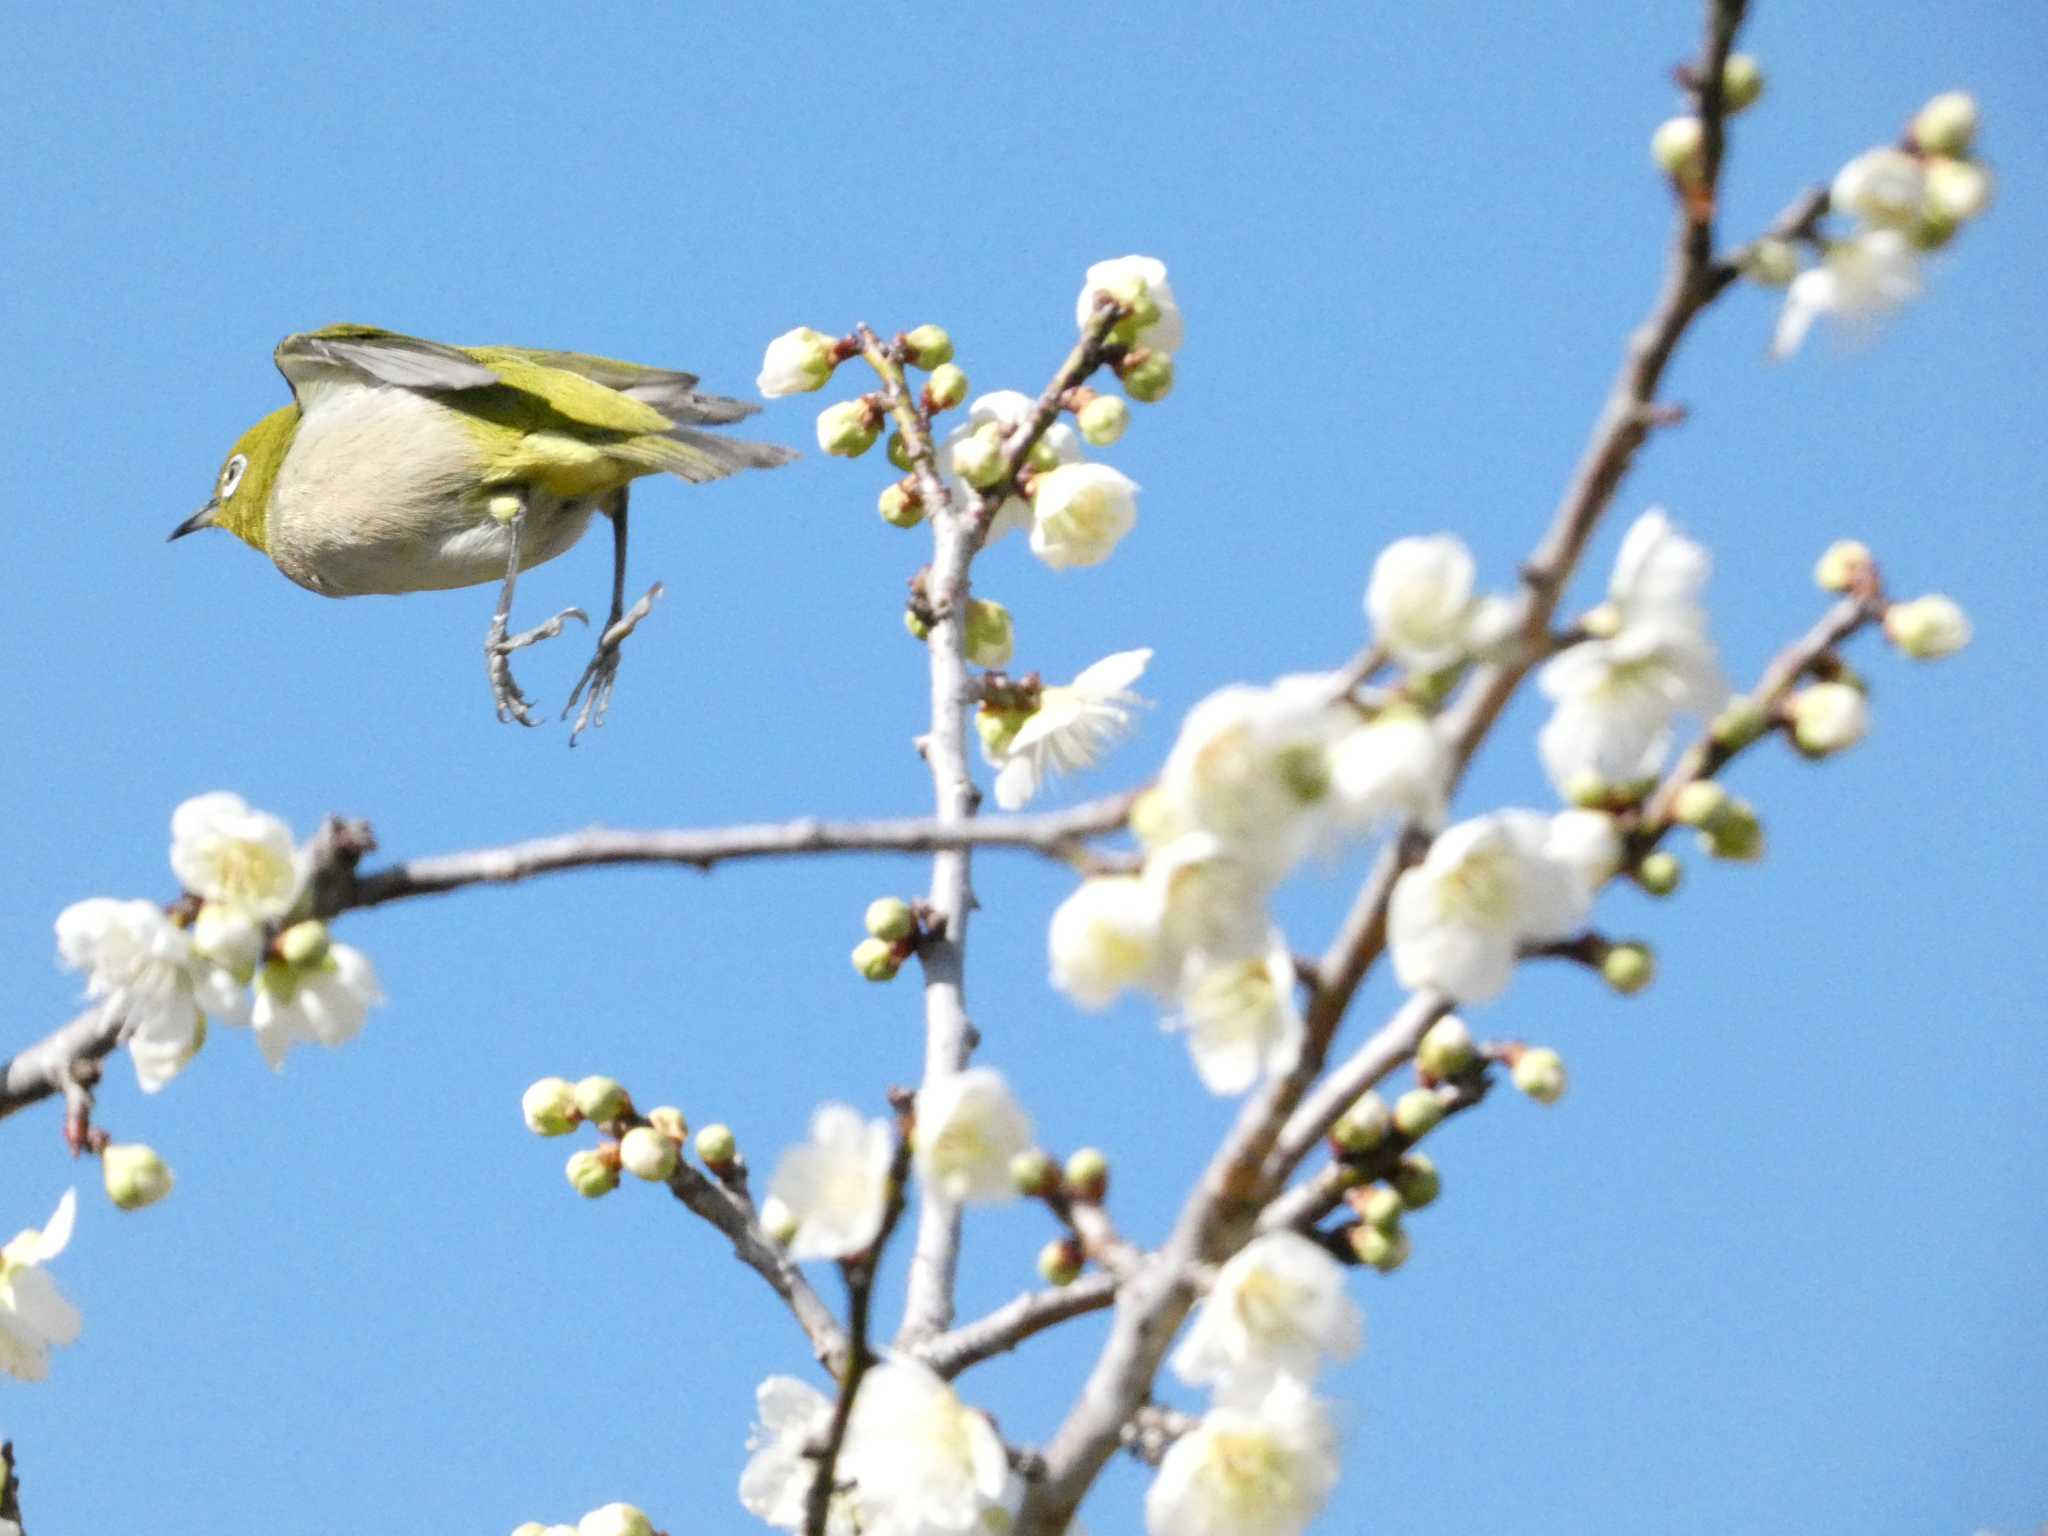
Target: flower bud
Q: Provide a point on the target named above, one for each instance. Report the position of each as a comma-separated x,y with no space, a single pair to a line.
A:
1364,1125
915,626
669,1120
991,637
135,1176
1843,565
1417,1181
849,429
876,960
1741,723
1628,968
615,1520
900,505
1102,420
592,1174
1679,146
1932,229
1927,628
229,938
1147,376
1087,1175
1703,803
647,1154
1947,124
1828,718
303,945
946,388
978,458
778,1221
928,347
1157,819
1742,83
1418,1112
1060,1261
1540,1074
601,1099
549,1107
1738,834
1771,262
1385,1250
717,1146
1659,873
890,919
898,449
795,363
1033,1174
1379,1206
1957,190
530,1528
1446,1050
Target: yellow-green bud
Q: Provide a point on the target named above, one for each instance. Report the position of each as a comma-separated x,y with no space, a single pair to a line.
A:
991,637
1933,229
898,451
946,388
978,458
1147,376
1540,1074
1703,803
717,1146
1844,564
1446,1049
1741,723
1628,968
927,347
1927,628
1659,873
602,1098
1588,791
778,1221
669,1120
135,1176
647,1154
1957,190
914,626
592,1174
900,505
1042,457
1103,419
1679,148
1418,1112
998,728
1385,1250
849,429
1087,1175
1742,83
797,362
530,1528
1417,1181
549,1107
876,960
1771,262
615,1520
1156,819
303,945
890,919
1380,1206
1364,1125
1737,835
1947,124
1033,1174
1060,1261
1828,718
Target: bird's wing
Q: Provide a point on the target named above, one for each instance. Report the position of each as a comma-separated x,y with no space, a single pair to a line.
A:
364,354
673,394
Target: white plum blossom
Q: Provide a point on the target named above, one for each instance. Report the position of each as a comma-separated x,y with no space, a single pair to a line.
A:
789,1414
1240,1018
1247,1470
1927,628
323,1002
1587,842
1072,727
1251,766
834,1188
222,851
1883,186
140,967
969,1126
923,1462
1422,605
1862,280
1278,1307
1139,282
615,1520
1105,939
1660,576
1485,888
993,417
795,363
34,1316
1394,769
1080,512
1210,900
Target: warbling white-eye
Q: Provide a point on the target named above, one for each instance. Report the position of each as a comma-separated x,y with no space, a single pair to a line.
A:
405,466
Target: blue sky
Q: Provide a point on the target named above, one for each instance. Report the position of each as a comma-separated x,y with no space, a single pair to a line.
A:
1773,1264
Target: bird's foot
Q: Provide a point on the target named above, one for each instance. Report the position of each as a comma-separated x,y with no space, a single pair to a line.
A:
498,648
594,688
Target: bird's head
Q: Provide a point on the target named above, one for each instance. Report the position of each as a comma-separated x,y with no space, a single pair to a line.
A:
241,492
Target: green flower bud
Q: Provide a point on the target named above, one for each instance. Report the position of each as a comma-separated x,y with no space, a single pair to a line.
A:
303,945
849,429
1957,190
1540,1074
1385,1250
1588,791
797,362
1042,457
890,919
1742,83
602,1098
615,1520
647,1154
1844,564
914,626
1947,124
928,347
1933,229
670,1122
1738,725
1364,1125
1659,873
991,637
1379,1206
530,1528
1061,1261
998,727
1679,148
592,1174
1703,803
1771,262
1033,1174
900,505
978,458
1087,1175
1737,835
876,960
135,1176
1927,628
1447,1049
549,1107
717,1146
1102,420
1828,718
1417,1180
778,1221
946,388
1147,376
1628,968
898,451
1418,1112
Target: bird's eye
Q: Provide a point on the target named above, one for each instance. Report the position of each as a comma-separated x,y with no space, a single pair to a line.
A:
231,475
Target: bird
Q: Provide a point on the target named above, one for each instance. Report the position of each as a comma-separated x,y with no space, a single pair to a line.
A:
406,465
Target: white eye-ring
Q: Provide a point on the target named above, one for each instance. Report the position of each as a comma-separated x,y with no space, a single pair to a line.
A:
231,476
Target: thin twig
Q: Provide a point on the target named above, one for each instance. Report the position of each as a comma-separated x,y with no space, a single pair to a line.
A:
1015,1321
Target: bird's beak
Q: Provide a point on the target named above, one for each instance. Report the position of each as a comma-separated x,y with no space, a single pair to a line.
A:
203,518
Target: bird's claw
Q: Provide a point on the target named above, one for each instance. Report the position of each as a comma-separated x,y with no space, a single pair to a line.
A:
594,688
511,701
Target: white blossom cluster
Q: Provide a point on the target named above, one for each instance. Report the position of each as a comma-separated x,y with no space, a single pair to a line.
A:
608,1520
34,1316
